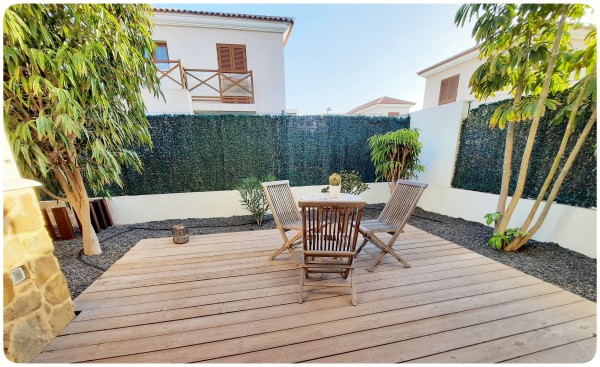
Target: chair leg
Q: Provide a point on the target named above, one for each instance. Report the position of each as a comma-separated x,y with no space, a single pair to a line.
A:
361,246
353,287
385,249
288,245
300,299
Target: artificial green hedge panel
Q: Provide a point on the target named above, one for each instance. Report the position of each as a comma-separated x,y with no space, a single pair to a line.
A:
481,154
214,152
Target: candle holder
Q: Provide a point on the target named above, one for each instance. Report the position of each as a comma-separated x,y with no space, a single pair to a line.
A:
180,234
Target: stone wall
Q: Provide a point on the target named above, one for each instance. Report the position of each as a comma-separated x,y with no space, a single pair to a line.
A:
38,308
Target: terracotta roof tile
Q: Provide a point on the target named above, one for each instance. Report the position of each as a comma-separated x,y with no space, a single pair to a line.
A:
382,100
226,15
465,52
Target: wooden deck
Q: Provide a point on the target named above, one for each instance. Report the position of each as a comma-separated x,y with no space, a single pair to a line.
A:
219,299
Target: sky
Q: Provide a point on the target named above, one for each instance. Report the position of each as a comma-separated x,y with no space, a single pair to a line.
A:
343,55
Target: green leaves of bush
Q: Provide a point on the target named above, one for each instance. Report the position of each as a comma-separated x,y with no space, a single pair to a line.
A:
253,197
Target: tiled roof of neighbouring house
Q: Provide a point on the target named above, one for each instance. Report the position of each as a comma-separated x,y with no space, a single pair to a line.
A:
226,15
465,52
382,100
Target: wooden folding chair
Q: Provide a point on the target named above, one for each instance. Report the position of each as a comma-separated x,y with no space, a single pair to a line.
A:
286,215
329,241
392,219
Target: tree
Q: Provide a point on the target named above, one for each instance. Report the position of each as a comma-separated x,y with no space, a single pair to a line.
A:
528,52
395,155
73,111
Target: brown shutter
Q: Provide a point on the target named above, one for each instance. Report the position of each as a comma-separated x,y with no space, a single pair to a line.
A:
232,57
239,58
448,90
224,55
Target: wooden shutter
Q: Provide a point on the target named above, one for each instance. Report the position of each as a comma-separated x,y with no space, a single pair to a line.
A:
448,90
232,57
393,114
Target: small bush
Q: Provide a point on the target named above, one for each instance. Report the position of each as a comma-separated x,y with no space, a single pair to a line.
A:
351,183
253,197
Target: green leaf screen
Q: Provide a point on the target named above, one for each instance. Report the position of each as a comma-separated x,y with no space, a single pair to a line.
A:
214,152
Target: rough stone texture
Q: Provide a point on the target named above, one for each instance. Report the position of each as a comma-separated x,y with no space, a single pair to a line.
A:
56,290
38,308
44,267
28,339
24,304
547,261
39,243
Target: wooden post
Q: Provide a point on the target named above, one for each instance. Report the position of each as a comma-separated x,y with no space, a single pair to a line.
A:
63,222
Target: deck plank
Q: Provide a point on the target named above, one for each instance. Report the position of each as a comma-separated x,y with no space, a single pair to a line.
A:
218,298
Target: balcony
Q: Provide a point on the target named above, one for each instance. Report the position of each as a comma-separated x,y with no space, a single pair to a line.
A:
207,85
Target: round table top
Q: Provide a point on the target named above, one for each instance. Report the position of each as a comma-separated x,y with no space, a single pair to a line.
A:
325,196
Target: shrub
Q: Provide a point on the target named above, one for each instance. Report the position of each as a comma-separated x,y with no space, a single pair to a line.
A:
396,155
351,183
253,197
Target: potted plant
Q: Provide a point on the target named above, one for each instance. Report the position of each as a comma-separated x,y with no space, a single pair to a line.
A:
335,184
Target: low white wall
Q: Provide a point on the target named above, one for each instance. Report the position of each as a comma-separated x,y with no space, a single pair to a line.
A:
177,101
571,227
144,208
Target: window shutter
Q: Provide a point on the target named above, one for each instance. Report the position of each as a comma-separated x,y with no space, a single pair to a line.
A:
239,58
393,114
224,54
232,57
448,90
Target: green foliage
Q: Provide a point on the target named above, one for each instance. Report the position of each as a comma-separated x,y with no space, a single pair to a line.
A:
253,196
351,183
479,161
214,152
335,179
499,240
492,217
395,155
73,74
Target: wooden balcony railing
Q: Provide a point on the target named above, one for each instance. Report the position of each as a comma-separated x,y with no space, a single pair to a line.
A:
220,86
207,85
169,72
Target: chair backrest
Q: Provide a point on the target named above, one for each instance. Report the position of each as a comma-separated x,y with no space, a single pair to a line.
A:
401,205
281,202
327,226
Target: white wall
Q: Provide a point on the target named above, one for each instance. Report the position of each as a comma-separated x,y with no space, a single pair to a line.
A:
570,227
176,101
433,82
144,208
384,109
197,49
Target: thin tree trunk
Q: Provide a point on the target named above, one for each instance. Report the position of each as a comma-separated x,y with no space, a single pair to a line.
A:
515,245
77,197
534,125
561,151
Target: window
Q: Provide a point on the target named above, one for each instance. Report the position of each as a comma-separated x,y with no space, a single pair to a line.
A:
232,58
393,114
161,53
448,90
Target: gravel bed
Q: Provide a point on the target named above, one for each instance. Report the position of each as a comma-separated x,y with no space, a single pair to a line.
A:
544,260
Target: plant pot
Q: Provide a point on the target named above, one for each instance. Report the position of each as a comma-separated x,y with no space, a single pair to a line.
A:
334,191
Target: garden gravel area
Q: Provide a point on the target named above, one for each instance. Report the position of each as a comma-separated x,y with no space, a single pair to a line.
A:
548,261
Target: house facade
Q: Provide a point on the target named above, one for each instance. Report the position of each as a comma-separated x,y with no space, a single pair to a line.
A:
219,62
448,81
383,106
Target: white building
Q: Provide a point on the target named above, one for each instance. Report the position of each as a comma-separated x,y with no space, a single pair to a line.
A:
384,106
448,81
219,62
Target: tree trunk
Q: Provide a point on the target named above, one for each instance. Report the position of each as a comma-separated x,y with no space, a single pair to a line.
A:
534,125
518,242
72,184
561,151
508,150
